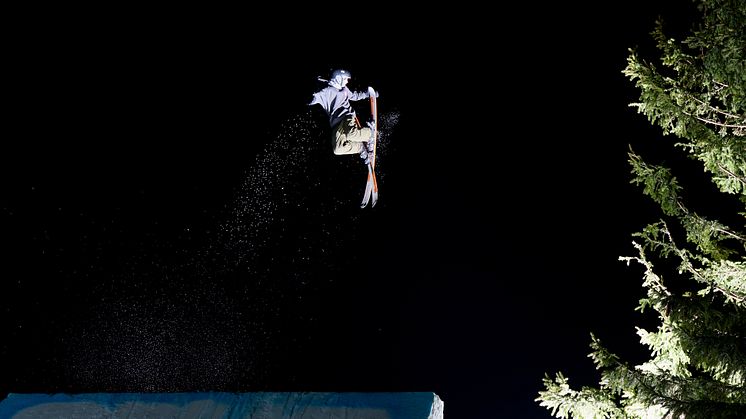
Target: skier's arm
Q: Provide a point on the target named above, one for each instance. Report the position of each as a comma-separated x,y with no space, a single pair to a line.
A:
358,95
322,98
363,95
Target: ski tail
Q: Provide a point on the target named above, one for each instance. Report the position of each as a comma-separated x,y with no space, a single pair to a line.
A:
369,185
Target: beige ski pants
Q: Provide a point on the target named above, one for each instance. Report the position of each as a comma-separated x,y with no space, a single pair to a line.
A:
349,138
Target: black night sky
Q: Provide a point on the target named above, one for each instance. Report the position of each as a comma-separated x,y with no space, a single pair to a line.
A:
173,219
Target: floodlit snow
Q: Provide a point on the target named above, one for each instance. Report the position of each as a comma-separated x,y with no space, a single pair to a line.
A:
209,317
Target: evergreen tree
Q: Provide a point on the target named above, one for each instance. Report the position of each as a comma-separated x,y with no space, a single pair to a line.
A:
697,364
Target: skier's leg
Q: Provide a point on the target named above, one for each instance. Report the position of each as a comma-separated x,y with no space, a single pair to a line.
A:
343,139
349,139
372,140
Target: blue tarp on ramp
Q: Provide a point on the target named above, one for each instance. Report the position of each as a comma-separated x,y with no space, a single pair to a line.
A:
217,405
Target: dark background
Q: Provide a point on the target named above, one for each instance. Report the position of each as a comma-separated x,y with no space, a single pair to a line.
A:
173,219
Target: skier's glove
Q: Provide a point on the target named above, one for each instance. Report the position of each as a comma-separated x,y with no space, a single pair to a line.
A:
365,156
372,92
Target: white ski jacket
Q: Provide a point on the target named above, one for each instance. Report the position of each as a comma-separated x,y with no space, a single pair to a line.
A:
336,102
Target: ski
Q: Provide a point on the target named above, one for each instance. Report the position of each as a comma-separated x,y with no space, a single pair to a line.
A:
371,184
368,187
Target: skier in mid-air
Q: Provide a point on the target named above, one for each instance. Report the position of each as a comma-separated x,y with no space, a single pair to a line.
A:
349,137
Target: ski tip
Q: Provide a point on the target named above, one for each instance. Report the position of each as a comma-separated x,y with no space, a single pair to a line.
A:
368,191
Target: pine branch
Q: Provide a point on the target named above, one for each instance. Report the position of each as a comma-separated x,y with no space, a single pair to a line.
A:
686,264
663,188
711,122
564,402
714,109
696,396
698,330
741,179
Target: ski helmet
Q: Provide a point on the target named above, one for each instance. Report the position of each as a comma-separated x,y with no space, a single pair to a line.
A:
341,73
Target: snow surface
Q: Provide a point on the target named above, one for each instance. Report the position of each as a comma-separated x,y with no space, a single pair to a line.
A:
217,405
